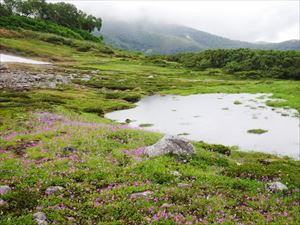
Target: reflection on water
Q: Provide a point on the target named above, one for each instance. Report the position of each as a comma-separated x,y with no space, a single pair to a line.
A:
216,118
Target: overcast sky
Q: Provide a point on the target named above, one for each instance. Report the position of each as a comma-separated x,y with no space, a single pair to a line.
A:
243,20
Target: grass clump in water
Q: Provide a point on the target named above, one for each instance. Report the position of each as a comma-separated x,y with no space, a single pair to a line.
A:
257,131
237,102
146,125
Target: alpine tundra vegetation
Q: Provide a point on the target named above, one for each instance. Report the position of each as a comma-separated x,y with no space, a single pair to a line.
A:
63,162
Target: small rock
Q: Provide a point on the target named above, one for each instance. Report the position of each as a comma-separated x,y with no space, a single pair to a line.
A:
150,77
62,79
69,149
52,85
144,194
4,189
276,186
40,218
3,204
183,185
265,161
171,145
166,205
182,160
53,189
176,173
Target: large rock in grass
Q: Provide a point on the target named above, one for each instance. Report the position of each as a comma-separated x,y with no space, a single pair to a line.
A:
275,186
171,145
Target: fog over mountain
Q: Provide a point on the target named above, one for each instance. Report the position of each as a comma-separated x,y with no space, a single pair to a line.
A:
162,38
251,21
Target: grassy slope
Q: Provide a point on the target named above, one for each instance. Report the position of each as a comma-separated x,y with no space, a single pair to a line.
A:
109,166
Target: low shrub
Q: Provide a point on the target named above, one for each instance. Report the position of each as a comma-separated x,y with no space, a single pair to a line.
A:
216,148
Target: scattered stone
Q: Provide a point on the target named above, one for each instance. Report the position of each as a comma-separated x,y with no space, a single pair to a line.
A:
61,79
4,189
52,85
21,80
3,204
265,161
182,160
171,144
166,205
40,218
69,149
276,186
176,173
85,77
143,194
184,185
53,189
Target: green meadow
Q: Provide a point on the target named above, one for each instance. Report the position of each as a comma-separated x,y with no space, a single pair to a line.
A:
107,165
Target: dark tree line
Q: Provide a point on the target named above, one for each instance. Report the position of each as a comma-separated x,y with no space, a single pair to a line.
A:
64,14
249,63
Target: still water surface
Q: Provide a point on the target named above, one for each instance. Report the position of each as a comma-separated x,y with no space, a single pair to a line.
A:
219,118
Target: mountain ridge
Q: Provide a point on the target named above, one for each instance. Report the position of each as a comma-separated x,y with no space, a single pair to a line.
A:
153,38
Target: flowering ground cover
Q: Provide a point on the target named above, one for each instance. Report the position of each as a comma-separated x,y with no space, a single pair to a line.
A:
104,165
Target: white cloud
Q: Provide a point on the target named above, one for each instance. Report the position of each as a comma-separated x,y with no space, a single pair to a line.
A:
243,20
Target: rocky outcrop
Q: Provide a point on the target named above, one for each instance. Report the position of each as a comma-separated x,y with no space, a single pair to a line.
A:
171,145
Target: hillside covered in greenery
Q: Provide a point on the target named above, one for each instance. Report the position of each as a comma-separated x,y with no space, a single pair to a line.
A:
157,38
61,158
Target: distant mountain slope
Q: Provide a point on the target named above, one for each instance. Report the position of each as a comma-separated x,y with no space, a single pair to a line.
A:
167,39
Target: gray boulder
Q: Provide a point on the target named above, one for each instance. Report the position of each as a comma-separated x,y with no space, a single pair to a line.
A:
171,144
4,189
40,218
276,186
